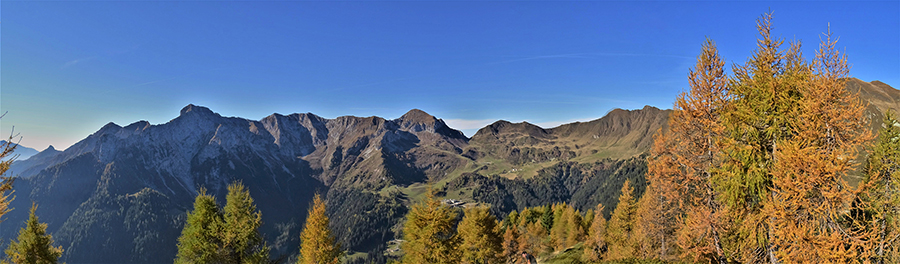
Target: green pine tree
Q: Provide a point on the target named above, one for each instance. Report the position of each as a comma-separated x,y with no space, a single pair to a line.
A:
200,240
241,238
481,238
559,232
34,245
317,245
229,235
880,195
547,218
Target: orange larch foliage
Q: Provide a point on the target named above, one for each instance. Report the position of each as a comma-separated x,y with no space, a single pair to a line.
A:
682,158
810,195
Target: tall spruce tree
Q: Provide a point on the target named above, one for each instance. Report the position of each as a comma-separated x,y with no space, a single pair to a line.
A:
878,211
430,233
317,245
240,235
228,236
200,240
481,241
34,245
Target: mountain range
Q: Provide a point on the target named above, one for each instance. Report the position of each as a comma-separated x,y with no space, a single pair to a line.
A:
121,194
21,152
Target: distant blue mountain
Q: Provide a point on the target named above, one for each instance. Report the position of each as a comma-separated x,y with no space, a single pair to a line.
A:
23,152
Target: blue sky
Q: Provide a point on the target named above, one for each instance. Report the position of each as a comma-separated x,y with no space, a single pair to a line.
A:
69,67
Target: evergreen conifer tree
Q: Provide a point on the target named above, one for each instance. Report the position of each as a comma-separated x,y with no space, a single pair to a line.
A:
229,235
34,245
317,245
200,240
879,211
240,236
547,218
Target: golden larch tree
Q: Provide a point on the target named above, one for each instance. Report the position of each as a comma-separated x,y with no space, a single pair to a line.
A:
481,241
574,227
653,235
317,244
810,197
535,239
595,241
240,237
682,159
430,233
621,224
511,243
6,159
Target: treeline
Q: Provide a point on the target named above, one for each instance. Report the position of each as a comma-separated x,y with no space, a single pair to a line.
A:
435,233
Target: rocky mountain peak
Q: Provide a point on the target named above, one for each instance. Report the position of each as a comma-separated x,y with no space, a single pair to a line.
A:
108,128
417,121
139,125
195,109
417,116
503,126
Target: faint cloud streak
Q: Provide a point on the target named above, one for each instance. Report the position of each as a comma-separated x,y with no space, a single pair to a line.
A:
77,61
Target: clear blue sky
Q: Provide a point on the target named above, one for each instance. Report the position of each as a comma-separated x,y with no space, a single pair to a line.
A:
67,68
